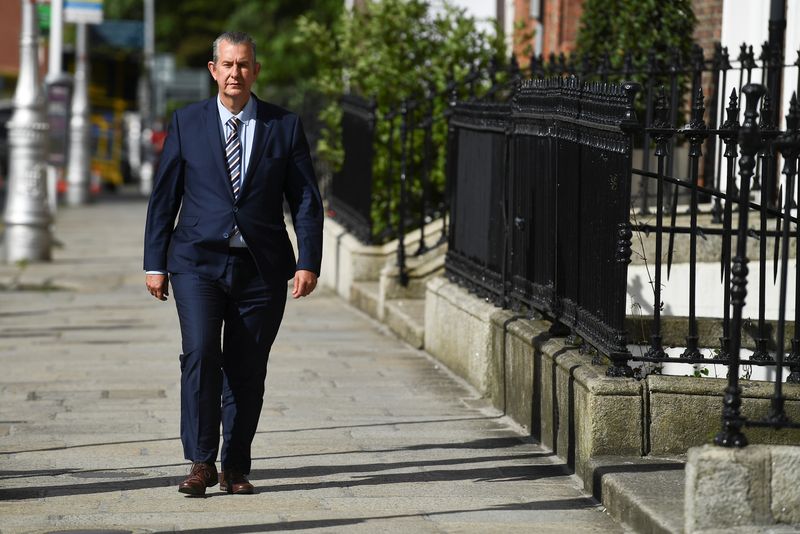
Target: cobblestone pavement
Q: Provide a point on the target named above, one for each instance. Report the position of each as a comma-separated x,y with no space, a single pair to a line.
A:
359,432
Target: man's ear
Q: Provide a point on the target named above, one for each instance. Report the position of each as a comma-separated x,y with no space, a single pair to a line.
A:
212,68
257,69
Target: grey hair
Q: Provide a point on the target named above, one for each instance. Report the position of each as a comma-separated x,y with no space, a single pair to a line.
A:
235,38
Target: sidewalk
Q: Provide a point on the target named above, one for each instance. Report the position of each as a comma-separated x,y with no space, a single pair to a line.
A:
359,432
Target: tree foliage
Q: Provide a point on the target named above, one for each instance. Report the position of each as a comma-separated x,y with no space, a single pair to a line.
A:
391,50
187,29
615,27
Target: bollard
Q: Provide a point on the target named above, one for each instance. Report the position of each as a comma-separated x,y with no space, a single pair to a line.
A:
27,216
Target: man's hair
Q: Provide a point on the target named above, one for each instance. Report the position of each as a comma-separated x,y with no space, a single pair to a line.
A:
234,38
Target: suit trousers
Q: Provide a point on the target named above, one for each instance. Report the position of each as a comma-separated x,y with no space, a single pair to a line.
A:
228,326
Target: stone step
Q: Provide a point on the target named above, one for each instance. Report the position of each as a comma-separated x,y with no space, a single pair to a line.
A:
646,494
406,318
366,297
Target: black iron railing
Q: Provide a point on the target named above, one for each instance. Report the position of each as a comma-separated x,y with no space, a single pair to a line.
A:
541,201
545,199
542,219
684,79
351,187
382,200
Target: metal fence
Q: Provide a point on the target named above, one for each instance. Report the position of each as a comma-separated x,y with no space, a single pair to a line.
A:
395,155
684,79
541,218
540,207
546,191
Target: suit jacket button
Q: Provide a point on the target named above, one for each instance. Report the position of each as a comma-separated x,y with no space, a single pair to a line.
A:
225,235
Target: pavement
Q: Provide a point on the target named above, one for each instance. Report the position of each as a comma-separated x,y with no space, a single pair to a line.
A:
359,431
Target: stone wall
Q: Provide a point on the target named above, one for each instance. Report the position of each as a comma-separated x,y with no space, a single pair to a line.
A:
568,403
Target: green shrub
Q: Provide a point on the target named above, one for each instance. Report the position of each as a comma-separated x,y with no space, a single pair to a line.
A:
391,50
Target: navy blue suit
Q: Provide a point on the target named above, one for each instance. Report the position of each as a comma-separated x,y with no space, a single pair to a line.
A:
242,291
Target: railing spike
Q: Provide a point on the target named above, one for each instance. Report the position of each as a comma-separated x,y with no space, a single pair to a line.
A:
725,63
742,53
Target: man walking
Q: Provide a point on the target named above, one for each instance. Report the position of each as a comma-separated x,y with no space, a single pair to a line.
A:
228,163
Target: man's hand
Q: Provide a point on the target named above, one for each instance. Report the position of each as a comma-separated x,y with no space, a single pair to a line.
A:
304,283
157,285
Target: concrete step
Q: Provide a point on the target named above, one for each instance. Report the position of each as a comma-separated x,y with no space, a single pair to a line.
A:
646,494
406,318
366,297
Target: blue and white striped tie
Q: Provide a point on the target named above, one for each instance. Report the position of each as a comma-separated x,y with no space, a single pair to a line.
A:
233,155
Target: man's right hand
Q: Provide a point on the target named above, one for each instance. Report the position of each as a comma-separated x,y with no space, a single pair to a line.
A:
157,285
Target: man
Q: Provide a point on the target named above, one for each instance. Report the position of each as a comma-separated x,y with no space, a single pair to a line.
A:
227,165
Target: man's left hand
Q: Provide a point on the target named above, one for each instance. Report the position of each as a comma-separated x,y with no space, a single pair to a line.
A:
304,283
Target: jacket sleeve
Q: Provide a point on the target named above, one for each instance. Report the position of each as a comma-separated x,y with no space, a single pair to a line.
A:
305,203
165,201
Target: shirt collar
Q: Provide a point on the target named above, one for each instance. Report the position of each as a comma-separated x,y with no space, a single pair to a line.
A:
247,113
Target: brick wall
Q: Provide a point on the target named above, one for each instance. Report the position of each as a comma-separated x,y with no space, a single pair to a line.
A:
709,23
10,22
560,21
561,24
523,25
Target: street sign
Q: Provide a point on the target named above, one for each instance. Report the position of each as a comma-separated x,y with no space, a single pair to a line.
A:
83,11
43,14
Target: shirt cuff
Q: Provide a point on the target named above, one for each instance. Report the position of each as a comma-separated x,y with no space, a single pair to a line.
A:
155,272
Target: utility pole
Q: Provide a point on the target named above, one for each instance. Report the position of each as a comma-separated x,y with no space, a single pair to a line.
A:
79,166
146,99
27,217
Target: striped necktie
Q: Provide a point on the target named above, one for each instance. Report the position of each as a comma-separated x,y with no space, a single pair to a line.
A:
233,155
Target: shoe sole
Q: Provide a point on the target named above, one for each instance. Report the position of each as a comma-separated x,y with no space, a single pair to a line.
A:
240,492
191,492
195,493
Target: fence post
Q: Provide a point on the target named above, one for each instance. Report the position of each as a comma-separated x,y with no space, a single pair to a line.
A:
767,159
789,145
628,124
695,131
662,133
722,65
750,141
401,223
729,132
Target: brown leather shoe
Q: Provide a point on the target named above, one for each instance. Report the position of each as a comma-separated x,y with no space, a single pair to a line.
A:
235,482
201,476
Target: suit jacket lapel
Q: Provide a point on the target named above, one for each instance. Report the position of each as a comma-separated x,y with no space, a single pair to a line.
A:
260,136
215,142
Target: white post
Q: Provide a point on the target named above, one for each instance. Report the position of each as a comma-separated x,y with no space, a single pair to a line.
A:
54,65
146,99
79,165
55,74
27,218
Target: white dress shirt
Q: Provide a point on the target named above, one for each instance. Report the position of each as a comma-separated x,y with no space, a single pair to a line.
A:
247,118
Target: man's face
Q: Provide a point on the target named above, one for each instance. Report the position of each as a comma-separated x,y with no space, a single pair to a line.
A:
235,70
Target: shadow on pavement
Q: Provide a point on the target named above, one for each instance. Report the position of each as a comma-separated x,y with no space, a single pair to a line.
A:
494,473
558,504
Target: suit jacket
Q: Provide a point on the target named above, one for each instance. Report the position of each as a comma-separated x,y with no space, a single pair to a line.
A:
192,178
